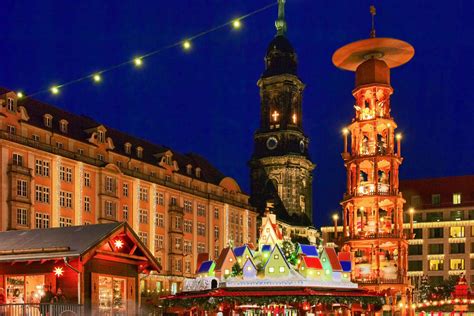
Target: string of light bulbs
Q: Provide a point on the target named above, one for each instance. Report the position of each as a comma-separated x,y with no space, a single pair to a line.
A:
137,61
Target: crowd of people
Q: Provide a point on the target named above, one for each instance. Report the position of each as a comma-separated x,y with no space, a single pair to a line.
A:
16,297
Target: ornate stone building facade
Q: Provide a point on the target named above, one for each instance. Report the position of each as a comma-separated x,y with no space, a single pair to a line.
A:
61,169
281,169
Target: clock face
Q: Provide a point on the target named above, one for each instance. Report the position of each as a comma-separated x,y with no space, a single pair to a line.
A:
272,143
302,146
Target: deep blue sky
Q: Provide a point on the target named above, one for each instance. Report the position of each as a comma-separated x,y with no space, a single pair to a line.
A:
207,101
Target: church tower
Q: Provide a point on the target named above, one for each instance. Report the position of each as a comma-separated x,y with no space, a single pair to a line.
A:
281,170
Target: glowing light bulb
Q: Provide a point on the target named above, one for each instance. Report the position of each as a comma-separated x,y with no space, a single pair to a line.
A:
55,90
19,94
118,244
399,136
186,45
236,24
335,217
58,271
97,78
345,131
138,61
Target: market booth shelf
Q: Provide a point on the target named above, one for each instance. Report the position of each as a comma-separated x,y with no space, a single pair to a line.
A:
96,266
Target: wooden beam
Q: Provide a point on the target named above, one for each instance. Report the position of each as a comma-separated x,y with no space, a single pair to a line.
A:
118,259
122,255
133,249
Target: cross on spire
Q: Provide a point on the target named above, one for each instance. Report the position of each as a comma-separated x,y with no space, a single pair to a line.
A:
373,12
280,23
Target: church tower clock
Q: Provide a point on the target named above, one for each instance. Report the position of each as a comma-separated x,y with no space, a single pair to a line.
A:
280,167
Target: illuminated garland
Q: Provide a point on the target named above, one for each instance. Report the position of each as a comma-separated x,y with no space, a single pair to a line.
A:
185,44
212,303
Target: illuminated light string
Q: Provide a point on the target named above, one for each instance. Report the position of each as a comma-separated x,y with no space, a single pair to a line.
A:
137,61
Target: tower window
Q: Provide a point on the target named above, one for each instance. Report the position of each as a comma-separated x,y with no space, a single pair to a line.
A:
293,118
275,116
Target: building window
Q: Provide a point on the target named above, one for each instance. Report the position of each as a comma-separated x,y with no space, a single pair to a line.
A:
178,243
65,222
201,229
65,174
216,251
101,136
458,248
187,266
434,216
456,198
436,199
22,216
42,168
41,220
436,232
109,184
128,148
201,210
415,250
177,223
143,194
179,265
10,105
159,241
125,190
201,248
198,172
456,264
59,145
11,129
160,220
188,226
48,120
435,249
41,194
216,213
125,212
100,157
87,204
80,151
456,232
436,264
65,199
87,179
216,232
161,199
17,160
109,209
139,152
188,206
188,247
143,216
416,265
415,201
143,237
456,215
21,188
35,137
63,126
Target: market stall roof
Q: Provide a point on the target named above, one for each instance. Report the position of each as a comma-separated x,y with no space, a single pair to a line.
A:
70,242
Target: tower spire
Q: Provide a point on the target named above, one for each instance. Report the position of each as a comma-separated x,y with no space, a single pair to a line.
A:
280,23
373,12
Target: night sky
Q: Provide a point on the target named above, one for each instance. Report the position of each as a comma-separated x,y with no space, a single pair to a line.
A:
206,100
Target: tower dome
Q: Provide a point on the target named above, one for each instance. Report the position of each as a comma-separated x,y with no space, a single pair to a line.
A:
280,58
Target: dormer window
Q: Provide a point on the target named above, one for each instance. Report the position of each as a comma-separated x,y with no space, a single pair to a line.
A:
101,136
198,172
189,169
128,148
168,160
63,126
11,105
139,152
48,120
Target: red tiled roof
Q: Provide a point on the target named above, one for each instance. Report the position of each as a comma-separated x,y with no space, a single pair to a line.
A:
344,256
312,262
220,261
335,264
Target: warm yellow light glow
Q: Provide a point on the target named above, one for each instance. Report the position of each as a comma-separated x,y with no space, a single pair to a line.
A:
236,24
399,136
400,305
345,131
118,244
335,217
249,268
186,45
19,95
138,61
411,210
275,116
58,271
97,78
55,90
294,118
